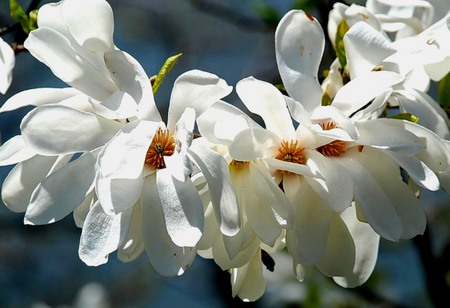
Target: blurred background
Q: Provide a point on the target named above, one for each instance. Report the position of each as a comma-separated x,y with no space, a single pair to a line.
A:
39,265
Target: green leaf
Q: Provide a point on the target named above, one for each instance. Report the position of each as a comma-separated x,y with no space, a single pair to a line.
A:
18,14
326,99
444,91
32,21
305,5
406,116
339,42
165,69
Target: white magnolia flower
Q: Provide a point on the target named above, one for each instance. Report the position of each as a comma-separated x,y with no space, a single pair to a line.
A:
372,159
7,62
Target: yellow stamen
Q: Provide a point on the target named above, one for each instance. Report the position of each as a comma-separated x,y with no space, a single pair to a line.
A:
334,148
290,151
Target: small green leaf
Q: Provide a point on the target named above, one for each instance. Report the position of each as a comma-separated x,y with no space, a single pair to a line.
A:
326,99
18,14
444,91
406,116
305,5
339,42
32,21
165,69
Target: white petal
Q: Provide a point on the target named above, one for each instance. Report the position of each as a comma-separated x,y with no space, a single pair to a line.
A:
342,122
365,48
336,187
130,77
23,179
182,207
14,151
66,64
306,241
338,258
265,100
61,192
215,169
221,122
102,234
368,86
299,45
195,89
306,170
366,250
133,244
7,63
248,282
167,258
54,129
252,144
380,134
119,105
90,22
38,97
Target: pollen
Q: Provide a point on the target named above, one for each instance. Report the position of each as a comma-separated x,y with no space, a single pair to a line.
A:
163,144
291,152
334,148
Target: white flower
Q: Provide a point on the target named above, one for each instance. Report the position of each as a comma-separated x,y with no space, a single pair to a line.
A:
7,62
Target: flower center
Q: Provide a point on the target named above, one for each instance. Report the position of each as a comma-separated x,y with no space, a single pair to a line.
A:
163,144
237,164
334,148
291,152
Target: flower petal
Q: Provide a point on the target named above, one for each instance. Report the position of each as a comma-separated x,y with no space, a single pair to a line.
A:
167,258
66,64
7,63
53,130
19,185
120,105
102,234
182,207
14,151
265,100
133,244
248,282
306,241
38,97
130,77
195,89
366,250
252,144
62,191
299,45
215,169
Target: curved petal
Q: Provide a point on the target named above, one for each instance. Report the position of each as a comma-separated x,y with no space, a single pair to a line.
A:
120,105
252,144
306,241
130,77
368,86
308,170
66,64
102,234
133,244
53,130
19,185
248,282
350,133
338,258
7,63
299,45
38,97
14,151
365,48
195,89
221,122
182,208
61,192
336,187
90,22
167,258
263,99
366,250
215,169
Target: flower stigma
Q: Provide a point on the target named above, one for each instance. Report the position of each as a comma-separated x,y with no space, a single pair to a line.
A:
334,148
163,144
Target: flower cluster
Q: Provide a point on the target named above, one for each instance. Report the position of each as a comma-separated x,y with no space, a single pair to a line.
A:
333,167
